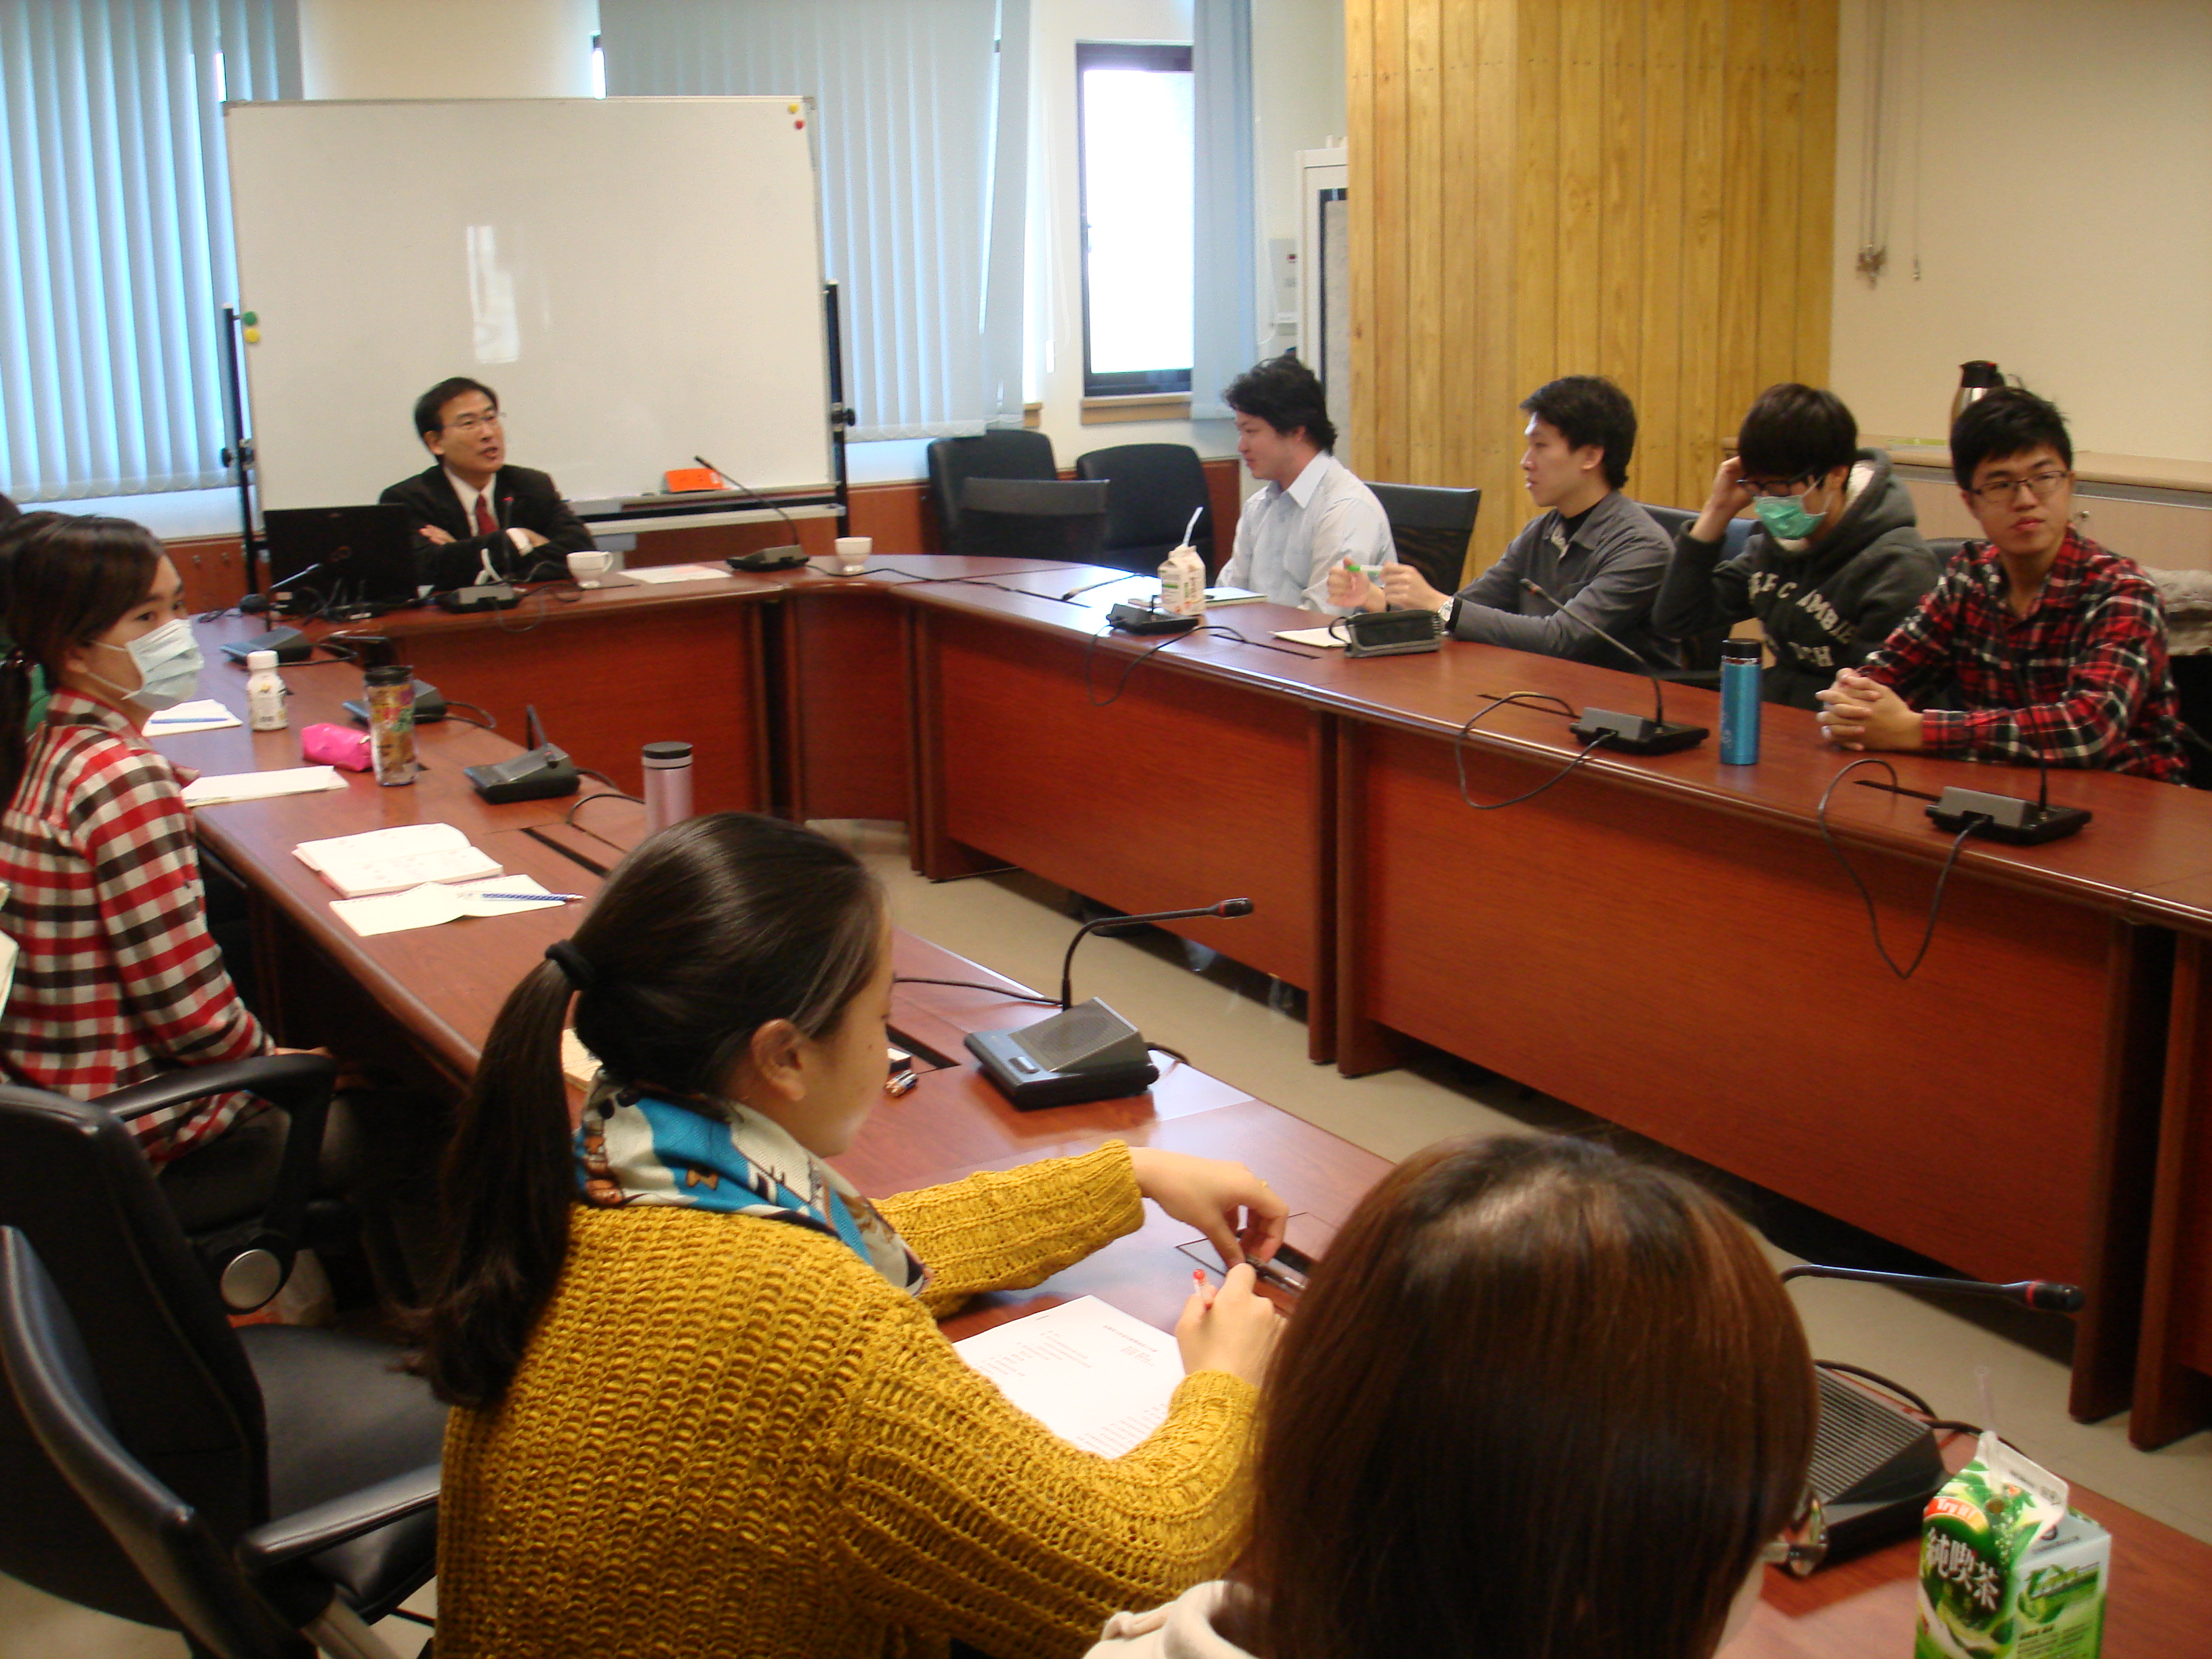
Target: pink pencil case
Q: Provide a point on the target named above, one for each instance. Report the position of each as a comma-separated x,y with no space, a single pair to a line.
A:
326,745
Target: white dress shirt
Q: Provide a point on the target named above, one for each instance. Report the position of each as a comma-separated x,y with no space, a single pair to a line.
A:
1287,539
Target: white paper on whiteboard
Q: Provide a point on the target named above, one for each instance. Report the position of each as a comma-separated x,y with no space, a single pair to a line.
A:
1085,1370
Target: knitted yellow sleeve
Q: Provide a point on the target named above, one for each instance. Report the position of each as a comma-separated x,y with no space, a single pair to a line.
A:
966,1516
1007,1230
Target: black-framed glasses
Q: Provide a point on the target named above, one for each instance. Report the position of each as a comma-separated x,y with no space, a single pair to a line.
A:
1776,486
471,422
1998,492
1804,1542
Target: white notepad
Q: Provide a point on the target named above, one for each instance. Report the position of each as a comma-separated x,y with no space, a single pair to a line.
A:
1319,636
392,860
1085,1370
436,903
201,714
677,573
212,790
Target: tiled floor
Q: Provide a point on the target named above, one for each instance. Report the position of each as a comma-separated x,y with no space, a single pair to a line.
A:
1247,1033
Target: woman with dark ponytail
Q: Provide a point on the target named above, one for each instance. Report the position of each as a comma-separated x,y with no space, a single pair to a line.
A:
117,979
705,1406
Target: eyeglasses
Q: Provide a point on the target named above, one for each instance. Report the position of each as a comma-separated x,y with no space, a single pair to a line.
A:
471,422
1804,1542
1999,492
1758,487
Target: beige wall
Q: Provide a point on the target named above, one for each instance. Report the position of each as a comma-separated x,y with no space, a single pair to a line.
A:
2050,173
447,48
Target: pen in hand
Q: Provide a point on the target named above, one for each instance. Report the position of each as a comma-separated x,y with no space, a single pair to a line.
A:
1199,1288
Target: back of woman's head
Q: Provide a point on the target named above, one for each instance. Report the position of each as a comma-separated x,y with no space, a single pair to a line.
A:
64,581
1540,1402
710,930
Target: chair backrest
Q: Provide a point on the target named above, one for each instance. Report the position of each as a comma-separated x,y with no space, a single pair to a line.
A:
1156,488
175,1381
1701,651
1001,452
1672,520
1429,528
51,1383
1033,518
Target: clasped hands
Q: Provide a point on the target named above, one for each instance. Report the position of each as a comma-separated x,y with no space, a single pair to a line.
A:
1858,712
1402,588
1234,1328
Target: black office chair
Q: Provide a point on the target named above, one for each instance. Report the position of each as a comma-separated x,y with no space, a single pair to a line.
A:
255,1596
239,1425
1155,489
250,1256
1001,452
1033,518
1430,529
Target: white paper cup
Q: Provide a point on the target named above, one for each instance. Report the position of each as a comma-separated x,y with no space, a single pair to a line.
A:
852,553
590,566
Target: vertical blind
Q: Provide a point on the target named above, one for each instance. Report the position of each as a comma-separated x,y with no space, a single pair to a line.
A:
1224,311
115,235
923,184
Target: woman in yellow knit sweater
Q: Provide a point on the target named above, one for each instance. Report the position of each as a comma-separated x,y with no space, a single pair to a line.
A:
705,1407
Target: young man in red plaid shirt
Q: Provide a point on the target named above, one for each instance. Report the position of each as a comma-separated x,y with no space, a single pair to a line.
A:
2058,647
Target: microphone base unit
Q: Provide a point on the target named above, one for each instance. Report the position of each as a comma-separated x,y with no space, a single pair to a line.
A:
1143,619
290,644
1637,734
486,596
541,773
2009,818
787,557
1874,1468
1084,1052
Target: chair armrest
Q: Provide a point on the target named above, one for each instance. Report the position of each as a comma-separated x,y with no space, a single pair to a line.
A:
340,1521
270,1075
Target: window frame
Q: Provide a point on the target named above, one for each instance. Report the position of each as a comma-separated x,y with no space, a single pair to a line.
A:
1162,57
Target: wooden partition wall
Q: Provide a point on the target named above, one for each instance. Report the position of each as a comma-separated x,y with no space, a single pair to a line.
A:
1636,188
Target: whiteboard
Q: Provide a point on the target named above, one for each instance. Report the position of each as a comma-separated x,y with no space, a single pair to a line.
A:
639,279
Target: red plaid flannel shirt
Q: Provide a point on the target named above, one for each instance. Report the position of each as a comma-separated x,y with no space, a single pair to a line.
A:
2082,680
117,979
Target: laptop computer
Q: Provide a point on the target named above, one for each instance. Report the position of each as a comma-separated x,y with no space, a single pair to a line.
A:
339,562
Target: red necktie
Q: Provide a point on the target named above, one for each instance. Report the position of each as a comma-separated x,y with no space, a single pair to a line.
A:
485,525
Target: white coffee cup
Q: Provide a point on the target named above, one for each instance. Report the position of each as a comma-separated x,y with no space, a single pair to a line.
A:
852,553
589,568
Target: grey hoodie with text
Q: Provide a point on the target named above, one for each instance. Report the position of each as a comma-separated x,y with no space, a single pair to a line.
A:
1824,608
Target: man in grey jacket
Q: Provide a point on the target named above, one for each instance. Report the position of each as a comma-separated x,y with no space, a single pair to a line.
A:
1837,560
1596,555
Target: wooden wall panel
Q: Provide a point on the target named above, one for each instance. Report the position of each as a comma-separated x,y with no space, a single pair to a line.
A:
1636,188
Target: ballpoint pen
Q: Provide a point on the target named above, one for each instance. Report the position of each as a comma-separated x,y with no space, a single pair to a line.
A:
533,898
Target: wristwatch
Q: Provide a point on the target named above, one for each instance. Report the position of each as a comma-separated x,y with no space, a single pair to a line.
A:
1447,613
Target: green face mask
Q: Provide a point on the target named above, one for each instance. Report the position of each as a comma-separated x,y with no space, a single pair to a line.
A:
1785,517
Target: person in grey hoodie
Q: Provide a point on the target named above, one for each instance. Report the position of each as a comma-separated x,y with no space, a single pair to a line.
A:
1836,564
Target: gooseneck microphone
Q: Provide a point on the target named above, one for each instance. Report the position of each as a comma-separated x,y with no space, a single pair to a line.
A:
2009,818
1236,907
1632,734
2044,1294
1085,1051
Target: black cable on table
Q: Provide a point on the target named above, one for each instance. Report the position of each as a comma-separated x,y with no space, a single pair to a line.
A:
1524,700
583,801
1974,821
976,985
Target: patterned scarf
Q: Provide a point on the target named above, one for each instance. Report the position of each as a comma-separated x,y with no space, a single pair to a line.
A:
723,1155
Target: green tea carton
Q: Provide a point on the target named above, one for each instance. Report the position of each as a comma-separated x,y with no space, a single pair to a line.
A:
2007,1570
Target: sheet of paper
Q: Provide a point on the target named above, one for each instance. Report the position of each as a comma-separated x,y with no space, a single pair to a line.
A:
396,842
202,715
262,786
1085,1370
435,902
1231,596
677,573
1319,636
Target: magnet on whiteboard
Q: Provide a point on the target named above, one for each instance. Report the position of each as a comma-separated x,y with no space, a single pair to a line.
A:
250,317
254,337
798,126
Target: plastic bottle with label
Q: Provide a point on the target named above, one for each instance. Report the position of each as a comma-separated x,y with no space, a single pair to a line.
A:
265,693
391,698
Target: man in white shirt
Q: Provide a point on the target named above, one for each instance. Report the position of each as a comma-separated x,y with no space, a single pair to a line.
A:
474,517
1311,513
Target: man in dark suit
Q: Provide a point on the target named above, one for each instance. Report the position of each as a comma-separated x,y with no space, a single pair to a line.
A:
476,519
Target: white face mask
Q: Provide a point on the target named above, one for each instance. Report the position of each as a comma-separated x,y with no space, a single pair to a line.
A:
168,662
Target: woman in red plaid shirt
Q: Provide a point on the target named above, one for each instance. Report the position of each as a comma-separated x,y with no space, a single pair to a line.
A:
117,979
2058,646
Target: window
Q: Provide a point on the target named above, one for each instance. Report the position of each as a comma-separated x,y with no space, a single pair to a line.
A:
1134,121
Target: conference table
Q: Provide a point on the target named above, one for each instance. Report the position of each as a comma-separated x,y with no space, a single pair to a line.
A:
425,1000
1668,943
